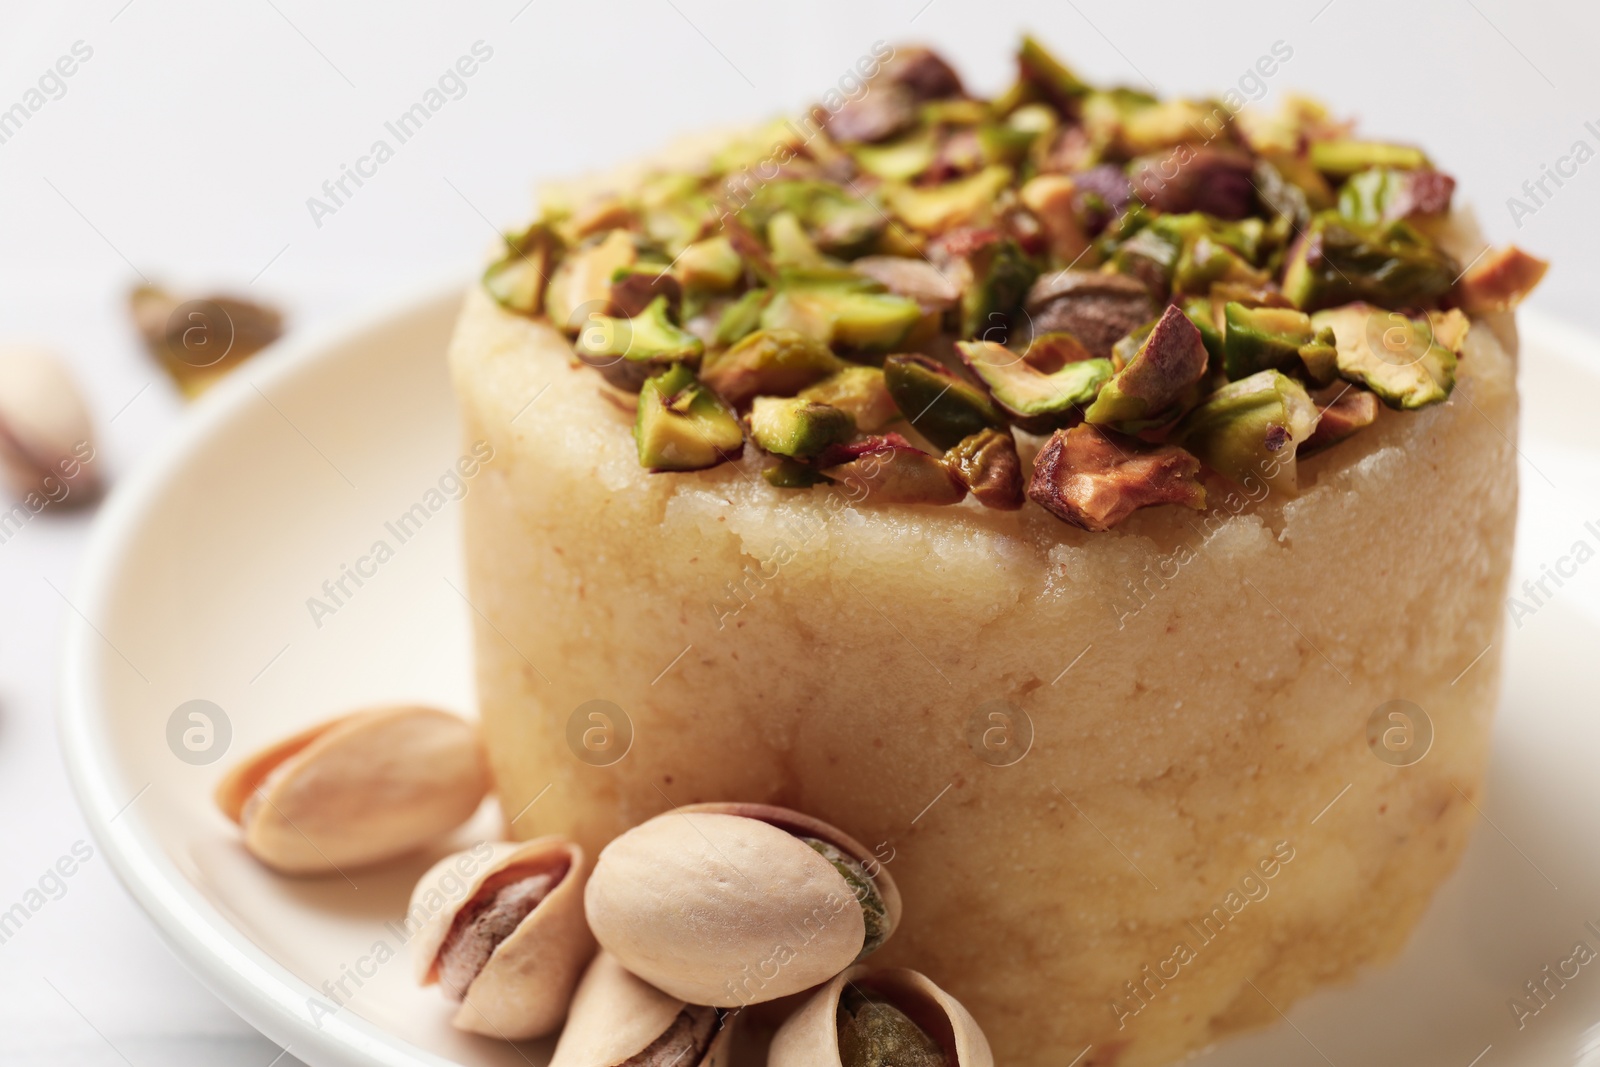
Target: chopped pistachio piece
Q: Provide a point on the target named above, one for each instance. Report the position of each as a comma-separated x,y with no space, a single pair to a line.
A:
1500,280
988,465
710,265
743,316
1190,253
769,363
1214,180
791,474
790,245
1340,159
635,287
916,279
860,391
1345,410
851,318
1408,362
1248,430
581,285
683,426
1157,379
1337,262
1053,200
875,1033
893,471
517,280
798,428
938,209
1262,338
992,273
1321,356
629,350
943,407
839,221
1036,399
1094,478
1057,81
897,161
1098,309
1384,194
1203,313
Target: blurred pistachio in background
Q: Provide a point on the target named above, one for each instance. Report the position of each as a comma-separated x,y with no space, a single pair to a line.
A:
198,340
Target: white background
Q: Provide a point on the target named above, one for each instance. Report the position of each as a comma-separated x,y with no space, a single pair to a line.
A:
185,148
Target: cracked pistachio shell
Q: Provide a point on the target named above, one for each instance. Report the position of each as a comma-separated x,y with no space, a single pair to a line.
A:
725,905
810,1038
616,1015
357,790
526,984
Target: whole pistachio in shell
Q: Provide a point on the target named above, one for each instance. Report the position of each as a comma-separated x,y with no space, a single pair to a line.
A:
735,904
357,790
620,1020
46,440
510,946
866,1018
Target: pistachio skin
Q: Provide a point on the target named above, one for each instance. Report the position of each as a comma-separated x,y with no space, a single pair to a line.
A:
726,905
357,790
874,1033
616,1018
812,1036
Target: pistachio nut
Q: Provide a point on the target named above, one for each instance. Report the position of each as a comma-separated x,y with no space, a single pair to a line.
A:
620,1020
865,1018
511,947
357,790
46,440
733,904
198,341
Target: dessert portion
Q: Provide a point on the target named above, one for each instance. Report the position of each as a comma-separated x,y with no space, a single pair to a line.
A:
1044,490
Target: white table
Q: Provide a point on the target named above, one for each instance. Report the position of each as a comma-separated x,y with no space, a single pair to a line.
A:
185,146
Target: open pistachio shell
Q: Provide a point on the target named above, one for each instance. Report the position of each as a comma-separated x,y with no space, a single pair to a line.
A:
728,904
523,988
810,1038
357,790
617,1016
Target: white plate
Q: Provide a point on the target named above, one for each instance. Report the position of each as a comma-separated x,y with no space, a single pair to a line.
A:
196,588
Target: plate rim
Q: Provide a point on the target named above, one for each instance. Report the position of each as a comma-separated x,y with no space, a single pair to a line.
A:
246,977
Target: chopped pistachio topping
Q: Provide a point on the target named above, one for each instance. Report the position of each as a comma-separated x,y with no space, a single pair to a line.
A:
1408,362
1262,338
1033,399
1169,363
797,428
988,465
1248,430
860,391
943,407
1171,274
683,426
